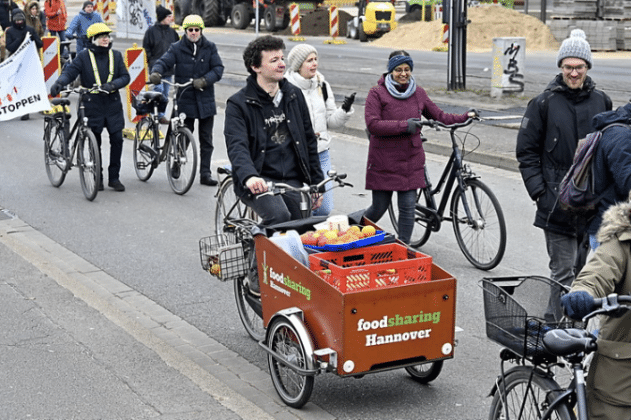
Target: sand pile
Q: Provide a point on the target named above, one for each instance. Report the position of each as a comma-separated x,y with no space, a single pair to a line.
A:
487,22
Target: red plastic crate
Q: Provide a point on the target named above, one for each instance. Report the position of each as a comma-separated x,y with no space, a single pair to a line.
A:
373,267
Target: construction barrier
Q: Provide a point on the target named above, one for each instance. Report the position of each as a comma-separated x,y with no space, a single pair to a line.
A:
104,9
136,62
334,26
51,60
294,19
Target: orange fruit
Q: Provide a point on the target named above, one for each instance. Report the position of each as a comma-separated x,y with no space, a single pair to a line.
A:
368,230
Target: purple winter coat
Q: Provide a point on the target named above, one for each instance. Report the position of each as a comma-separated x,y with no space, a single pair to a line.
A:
396,159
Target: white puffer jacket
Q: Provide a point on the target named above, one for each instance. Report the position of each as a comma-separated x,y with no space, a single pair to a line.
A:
323,116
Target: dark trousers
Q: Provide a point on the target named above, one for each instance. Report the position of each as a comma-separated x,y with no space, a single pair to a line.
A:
116,151
205,141
406,201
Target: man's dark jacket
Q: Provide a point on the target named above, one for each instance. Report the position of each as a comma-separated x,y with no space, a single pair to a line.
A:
192,62
6,11
157,41
612,162
15,36
101,109
553,123
246,137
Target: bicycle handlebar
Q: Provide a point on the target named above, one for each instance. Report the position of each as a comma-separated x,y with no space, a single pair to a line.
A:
178,85
83,90
277,188
437,124
612,304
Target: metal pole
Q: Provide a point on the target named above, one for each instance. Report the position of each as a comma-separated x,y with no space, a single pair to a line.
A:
256,17
544,7
456,64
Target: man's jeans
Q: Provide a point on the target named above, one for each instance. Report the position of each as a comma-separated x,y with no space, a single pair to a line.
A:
562,250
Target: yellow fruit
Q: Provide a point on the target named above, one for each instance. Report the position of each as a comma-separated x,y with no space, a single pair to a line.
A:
330,235
215,270
354,228
368,230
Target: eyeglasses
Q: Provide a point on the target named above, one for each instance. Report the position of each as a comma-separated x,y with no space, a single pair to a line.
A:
193,29
402,70
569,69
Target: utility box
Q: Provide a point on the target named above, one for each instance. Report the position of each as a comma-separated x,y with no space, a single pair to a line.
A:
509,59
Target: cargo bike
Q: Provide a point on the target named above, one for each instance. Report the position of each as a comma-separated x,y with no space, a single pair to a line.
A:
352,309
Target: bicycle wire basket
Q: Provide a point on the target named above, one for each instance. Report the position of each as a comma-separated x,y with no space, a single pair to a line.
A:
514,308
223,257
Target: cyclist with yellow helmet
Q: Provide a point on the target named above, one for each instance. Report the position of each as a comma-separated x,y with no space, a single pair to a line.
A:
195,57
100,65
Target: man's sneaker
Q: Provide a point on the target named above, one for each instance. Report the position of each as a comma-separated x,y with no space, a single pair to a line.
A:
117,185
207,179
254,286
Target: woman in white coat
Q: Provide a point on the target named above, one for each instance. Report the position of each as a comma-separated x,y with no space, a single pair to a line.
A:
302,71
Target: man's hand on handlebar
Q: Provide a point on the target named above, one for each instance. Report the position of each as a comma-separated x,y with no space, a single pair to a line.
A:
316,200
256,185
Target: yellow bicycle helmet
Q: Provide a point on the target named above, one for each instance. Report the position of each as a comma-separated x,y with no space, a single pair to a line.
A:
97,29
193,20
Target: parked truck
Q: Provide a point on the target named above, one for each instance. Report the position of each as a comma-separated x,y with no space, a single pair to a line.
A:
275,13
374,18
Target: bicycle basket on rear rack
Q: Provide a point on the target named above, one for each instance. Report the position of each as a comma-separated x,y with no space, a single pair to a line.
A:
514,309
222,256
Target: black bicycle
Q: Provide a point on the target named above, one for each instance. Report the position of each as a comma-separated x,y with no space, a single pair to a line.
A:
474,211
60,149
178,149
541,350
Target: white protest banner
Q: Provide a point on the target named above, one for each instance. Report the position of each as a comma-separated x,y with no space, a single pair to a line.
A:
22,85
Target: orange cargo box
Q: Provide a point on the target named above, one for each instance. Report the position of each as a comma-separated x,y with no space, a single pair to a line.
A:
370,328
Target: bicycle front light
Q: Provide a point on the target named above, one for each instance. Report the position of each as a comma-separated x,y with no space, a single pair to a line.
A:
182,116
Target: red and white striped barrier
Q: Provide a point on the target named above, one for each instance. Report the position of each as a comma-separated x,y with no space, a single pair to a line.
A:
294,19
50,60
334,26
136,62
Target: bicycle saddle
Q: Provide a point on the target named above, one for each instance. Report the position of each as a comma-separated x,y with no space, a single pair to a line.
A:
570,341
60,101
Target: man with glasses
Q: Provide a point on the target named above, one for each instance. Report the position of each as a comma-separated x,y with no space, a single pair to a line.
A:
553,123
194,57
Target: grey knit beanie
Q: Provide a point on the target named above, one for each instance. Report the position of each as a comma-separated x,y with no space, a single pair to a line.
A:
298,55
576,46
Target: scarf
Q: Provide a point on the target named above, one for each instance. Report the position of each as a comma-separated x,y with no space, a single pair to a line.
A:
391,85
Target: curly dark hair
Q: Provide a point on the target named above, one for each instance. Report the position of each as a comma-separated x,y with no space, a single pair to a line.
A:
252,53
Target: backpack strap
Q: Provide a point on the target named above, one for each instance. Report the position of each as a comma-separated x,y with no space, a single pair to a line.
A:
325,91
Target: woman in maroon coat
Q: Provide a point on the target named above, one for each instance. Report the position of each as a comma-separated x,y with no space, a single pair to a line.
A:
396,159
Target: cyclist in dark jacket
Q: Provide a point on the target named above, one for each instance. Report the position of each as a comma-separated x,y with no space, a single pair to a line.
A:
102,110
551,127
195,57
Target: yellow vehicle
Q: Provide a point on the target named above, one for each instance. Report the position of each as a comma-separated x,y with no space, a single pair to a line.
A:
374,18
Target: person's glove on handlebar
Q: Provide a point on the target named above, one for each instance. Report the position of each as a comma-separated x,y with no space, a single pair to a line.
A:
473,113
155,78
577,304
413,125
108,87
200,83
348,101
55,89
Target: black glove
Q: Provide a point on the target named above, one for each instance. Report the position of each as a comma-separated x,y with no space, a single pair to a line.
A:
155,78
577,304
108,87
69,36
348,101
200,83
55,89
475,112
413,125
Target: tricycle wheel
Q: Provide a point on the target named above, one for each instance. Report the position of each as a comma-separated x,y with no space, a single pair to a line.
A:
292,387
249,308
426,372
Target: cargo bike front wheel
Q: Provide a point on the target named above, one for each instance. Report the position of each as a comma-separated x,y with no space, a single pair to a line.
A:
426,372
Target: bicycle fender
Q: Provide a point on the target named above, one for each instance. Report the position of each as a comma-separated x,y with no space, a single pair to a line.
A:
295,316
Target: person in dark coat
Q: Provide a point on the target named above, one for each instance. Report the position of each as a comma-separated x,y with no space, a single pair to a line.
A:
396,158
553,123
607,271
269,137
102,110
156,42
15,35
611,164
195,57
6,13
